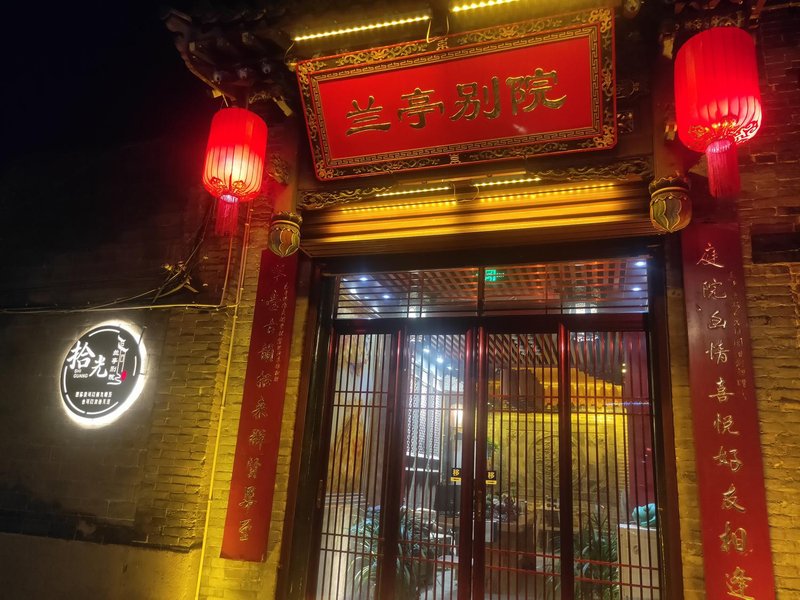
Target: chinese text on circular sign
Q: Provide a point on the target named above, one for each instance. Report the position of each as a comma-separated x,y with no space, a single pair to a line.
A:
103,374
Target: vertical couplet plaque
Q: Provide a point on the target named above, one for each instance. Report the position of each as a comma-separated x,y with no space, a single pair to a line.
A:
736,549
247,521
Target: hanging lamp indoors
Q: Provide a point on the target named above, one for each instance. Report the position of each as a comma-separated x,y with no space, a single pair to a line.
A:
234,166
717,101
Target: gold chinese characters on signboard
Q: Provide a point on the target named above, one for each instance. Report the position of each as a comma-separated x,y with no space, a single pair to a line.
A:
526,93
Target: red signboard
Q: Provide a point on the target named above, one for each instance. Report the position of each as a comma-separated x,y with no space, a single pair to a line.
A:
538,87
730,473
256,459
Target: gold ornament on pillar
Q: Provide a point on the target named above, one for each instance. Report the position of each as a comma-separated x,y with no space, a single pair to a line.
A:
670,203
284,233
284,226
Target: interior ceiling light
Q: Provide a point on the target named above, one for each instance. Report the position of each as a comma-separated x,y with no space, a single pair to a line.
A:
483,4
494,182
360,28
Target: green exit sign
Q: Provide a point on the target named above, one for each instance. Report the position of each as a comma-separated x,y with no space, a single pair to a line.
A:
493,275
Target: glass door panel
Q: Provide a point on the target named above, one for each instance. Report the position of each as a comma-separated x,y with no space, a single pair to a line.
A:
430,510
613,491
351,543
522,496
466,468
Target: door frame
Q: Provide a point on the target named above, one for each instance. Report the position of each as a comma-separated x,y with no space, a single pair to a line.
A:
305,468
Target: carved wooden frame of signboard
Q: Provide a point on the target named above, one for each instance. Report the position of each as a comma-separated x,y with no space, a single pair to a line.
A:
596,25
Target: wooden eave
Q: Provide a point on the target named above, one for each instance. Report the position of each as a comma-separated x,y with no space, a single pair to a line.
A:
502,218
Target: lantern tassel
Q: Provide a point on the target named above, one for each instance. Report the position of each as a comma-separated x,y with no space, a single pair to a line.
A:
227,218
723,169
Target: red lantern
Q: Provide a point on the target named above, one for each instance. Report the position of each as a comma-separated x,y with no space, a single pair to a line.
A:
237,147
717,101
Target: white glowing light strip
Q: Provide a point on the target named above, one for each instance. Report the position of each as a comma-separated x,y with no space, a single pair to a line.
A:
359,28
483,4
506,182
440,188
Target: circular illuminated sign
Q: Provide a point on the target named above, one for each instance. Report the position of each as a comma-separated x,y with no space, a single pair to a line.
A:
103,374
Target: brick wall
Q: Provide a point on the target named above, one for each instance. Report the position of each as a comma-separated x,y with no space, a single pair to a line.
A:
223,578
771,194
58,479
770,169
688,504
127,499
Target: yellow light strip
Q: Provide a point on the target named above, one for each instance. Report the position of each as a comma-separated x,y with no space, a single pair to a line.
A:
441,188
489,183
506,197
483,4
360,28
560,192
402,206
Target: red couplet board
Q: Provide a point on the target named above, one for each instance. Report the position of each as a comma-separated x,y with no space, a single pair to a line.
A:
255,462
730,473
537,87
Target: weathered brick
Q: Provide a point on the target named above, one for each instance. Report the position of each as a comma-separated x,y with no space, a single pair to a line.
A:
774,311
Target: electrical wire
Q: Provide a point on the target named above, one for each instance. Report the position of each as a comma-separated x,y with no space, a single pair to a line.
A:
199,238
118,303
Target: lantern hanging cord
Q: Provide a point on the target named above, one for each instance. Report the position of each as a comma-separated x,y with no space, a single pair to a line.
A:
286,54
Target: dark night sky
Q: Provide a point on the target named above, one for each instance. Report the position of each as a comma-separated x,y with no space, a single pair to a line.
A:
90,74
102,124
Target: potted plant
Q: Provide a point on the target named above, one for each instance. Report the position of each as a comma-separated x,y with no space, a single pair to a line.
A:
415,570
596,554
597,547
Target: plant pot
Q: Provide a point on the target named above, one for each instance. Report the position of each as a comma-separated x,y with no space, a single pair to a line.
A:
491,531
